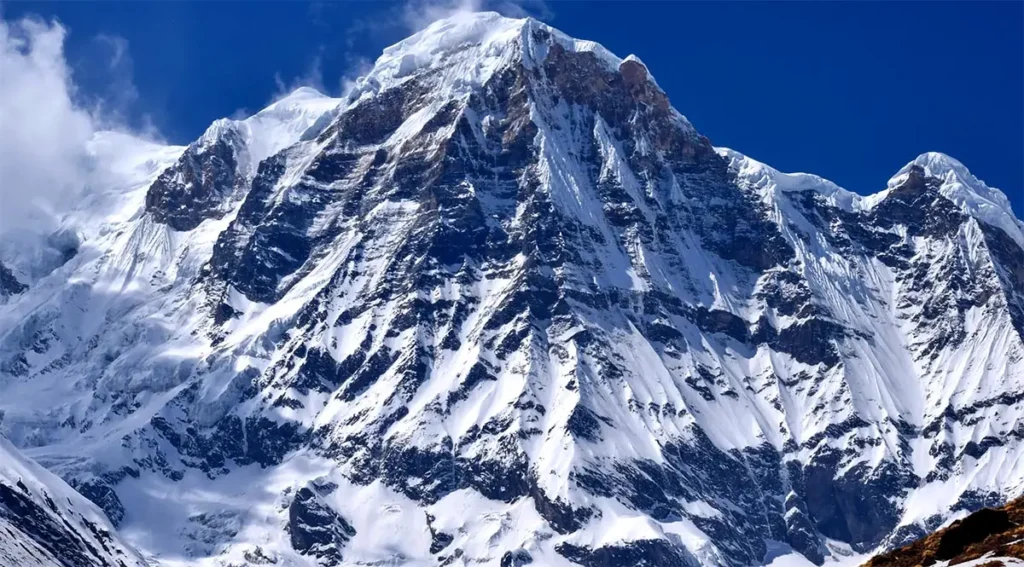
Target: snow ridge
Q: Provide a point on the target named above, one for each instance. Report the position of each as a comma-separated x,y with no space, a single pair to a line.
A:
973,196
46,523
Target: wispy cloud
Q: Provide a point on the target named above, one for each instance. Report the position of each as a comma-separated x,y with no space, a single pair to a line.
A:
312,77
356,67
46,122
119,74
43,133
418,14
413,15
405,18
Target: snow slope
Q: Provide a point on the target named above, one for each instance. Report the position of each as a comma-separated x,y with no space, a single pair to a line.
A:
44,522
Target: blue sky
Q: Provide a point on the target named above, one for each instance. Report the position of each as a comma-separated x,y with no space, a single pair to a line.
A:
850,91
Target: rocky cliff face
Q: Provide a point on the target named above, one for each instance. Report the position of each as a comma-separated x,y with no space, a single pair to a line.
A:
504,305
9,284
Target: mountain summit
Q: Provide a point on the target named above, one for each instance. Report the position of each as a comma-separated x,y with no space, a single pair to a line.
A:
503,305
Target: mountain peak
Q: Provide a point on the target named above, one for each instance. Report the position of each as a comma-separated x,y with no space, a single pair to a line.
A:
272,129
305,92
969,193
468,48
486,34
956,183
931,164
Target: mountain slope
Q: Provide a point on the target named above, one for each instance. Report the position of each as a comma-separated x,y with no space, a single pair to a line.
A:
505,304
990,536
44,522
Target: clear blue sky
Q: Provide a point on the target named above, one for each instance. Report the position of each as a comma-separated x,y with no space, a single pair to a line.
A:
850,91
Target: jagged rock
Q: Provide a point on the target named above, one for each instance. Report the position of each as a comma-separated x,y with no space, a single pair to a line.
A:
517,558
201,184
992,533
101,494
642,553
9,285
316,529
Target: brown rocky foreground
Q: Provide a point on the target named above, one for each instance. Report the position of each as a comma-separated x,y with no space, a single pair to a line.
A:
989,532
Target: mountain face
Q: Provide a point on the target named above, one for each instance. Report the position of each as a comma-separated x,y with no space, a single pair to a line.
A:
44,522
504,305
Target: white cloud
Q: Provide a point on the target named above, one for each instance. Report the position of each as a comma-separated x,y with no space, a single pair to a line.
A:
418,14
120,92
313,77
43,133
46,124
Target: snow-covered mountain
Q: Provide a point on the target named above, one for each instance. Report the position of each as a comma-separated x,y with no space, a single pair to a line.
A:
504,305
45,523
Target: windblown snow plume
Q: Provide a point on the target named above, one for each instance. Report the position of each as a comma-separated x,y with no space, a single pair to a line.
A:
58,171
